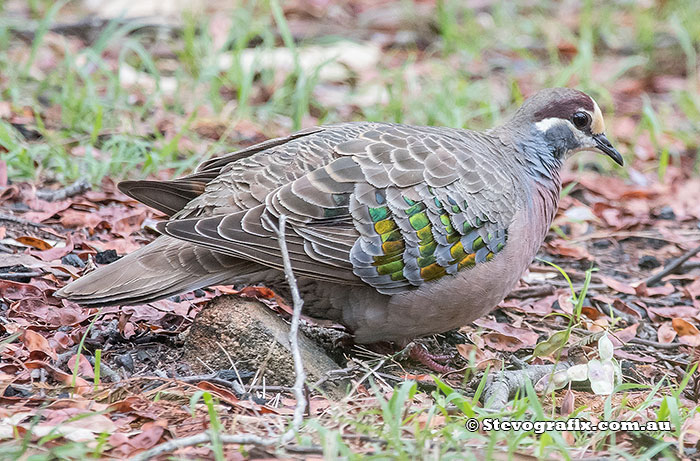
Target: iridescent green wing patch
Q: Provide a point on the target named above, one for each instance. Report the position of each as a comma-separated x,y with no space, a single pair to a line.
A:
420,235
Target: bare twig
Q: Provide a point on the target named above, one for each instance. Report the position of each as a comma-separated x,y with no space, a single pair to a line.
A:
233,364
214,378
298,388
531,292
89,29
671,267
656,344
293,334
19,276
202,437
78,187
18,220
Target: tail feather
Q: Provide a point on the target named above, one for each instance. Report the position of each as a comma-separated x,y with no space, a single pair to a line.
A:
164,268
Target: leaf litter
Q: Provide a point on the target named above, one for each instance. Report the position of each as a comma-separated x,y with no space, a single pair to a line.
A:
627,228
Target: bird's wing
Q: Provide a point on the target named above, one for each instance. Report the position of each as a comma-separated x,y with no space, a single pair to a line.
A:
392,206
172,196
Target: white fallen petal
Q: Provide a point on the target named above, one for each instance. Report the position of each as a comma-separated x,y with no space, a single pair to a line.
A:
605,348
552,382
578,372
601,376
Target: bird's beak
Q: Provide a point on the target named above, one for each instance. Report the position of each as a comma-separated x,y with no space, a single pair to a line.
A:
606,147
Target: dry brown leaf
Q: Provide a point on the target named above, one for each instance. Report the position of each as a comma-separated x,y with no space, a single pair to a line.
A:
36,342
150,434
525,336
503,343
592,313
643,290
674,311
16,290
84,368
623,307
690,433
34,242
567,404
81,386
618,286
625,335
626,355
687,332
666,333
55,253
569,250
412,377
566,304
482,358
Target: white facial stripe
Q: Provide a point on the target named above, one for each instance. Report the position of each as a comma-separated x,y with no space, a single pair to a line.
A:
584,141
547,123
597,122
598,125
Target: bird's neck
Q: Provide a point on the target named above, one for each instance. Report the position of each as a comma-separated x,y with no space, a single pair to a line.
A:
544,167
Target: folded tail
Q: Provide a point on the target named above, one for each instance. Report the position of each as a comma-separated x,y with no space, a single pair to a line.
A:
163,268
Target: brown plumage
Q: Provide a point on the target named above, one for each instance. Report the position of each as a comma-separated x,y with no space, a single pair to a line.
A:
395,231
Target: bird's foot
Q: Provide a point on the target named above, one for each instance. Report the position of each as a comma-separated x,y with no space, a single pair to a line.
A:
420,354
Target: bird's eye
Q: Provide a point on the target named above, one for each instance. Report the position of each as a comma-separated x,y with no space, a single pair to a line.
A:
581,120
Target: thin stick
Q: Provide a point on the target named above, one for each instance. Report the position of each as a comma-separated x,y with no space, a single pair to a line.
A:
672,266
298,388
18,220
293,334
202,437
78,187
233,365
18,276
656,344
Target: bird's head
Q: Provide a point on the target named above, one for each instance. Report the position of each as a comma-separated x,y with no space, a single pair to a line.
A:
562,121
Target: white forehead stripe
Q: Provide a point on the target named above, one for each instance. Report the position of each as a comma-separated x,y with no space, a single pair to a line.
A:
598,125
547,123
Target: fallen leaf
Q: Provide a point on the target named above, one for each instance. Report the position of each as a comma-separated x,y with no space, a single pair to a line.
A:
34,242
482,358
566,304
623,307
525,336
618,286
674,311
567,404
16,290
501,342
625,335
592,313
55,253
687,332
36,342
643,290
150,434
626,355
81,386
666,333
564,248
84,368
412,377
691,430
